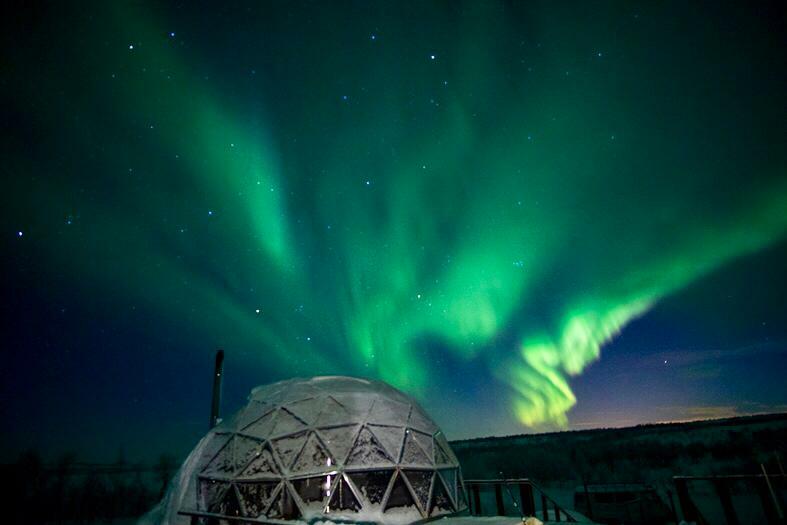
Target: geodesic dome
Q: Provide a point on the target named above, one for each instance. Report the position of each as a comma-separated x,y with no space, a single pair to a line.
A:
323,448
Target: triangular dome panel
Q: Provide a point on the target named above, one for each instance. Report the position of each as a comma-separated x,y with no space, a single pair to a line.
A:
230,504
333,413
261,427
372,484
286,423
441,503
440,456
262,465
251,413
283,505
389,412
421,481
391,438
357,406
420,422
367,451
211,493
243,450
413,454
313,457
342,498
449,478
400,495
214,445
232,457
288,447
255,496
339,440
425,441
306,410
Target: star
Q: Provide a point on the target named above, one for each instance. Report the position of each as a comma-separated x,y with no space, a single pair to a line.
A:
19,234
257,311
210,212
131,46
432,57
172,34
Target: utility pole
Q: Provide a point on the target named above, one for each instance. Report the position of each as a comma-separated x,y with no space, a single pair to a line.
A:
218,375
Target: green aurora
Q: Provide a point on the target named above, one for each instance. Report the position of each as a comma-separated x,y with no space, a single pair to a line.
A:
514,186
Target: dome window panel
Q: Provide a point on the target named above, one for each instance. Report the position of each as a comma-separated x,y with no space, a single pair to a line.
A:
390,437
425,441
261,427
413,454
357,406
288,448
313,492
255,496
252,413
306,410
367,451
313,457
389,412
262,465
372,485
419,421
441,502
339,440
283,506
421,483
343,498
211,493
449,478
286,423
332,413
400,496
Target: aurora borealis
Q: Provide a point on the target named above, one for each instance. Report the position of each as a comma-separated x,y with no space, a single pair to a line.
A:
471,201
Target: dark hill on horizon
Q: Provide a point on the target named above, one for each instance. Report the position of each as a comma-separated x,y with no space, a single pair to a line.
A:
649,453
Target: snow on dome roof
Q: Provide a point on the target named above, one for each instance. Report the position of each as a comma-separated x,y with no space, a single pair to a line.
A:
324,448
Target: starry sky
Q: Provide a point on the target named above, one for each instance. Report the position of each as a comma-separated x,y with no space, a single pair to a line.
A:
529,215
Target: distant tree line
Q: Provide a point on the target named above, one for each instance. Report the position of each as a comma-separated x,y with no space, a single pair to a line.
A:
649,454
73,492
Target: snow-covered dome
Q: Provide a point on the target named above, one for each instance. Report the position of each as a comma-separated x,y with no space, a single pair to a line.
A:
321,448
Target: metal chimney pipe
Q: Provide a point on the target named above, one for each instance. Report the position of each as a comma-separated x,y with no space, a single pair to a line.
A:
218,376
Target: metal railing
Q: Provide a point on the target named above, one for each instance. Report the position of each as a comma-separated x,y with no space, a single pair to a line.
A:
770,489
521,495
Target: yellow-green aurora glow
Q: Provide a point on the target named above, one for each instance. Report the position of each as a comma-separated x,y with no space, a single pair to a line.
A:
506,184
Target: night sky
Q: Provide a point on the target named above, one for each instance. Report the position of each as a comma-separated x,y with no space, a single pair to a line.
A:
531,216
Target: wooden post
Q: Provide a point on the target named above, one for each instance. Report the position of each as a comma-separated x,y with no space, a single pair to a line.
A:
477,499
723,491
526,497
690,512
672,506
501,509
557,512
544,507
218,374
